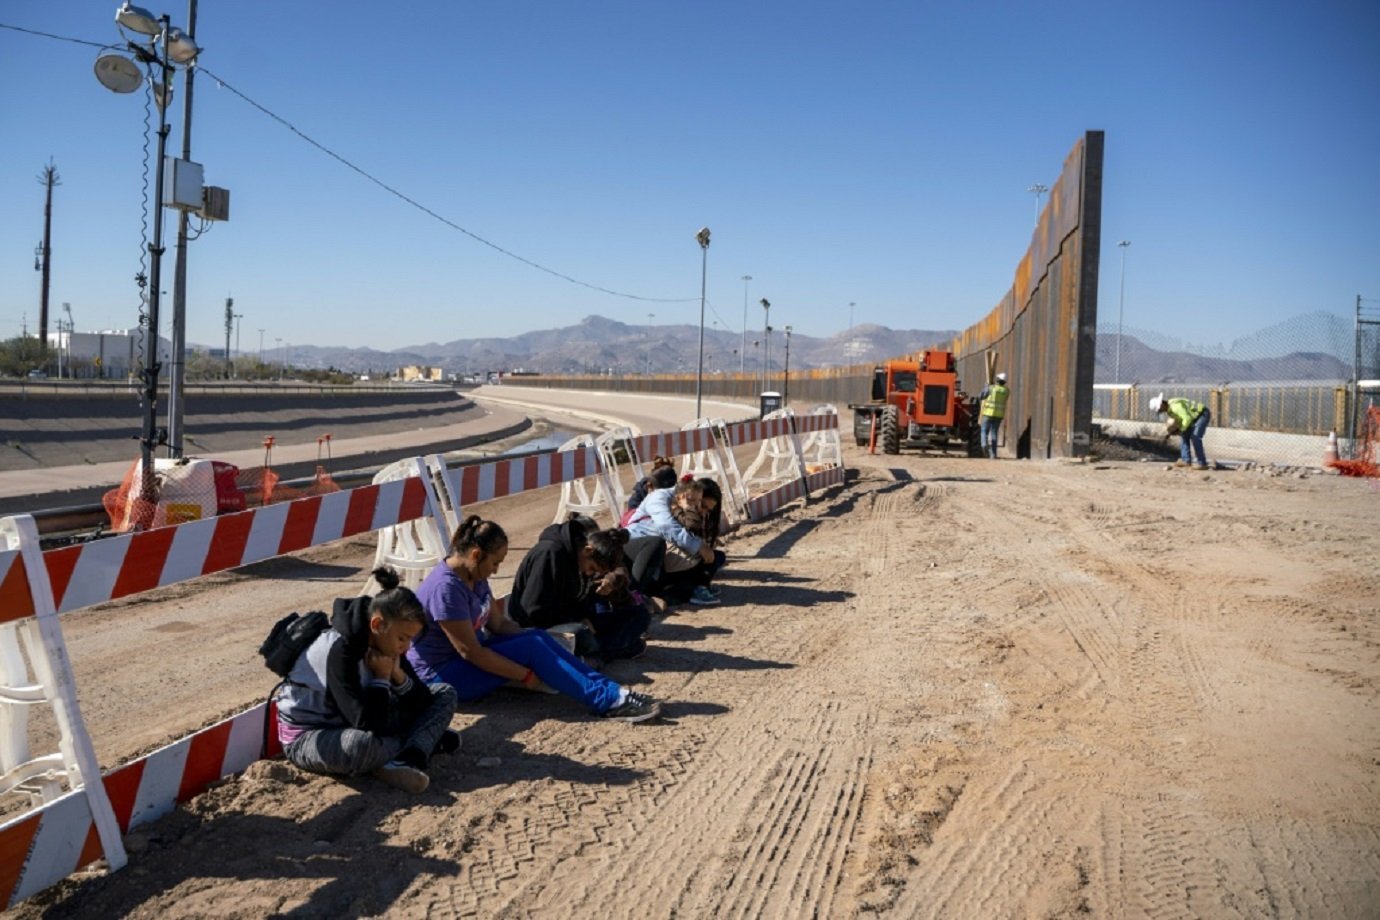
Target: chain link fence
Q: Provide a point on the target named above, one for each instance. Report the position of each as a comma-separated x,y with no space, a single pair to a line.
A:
1274,396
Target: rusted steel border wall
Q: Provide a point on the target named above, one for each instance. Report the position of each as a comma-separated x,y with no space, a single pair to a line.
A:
1044,330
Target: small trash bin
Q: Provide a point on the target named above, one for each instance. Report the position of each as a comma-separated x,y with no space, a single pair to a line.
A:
771,401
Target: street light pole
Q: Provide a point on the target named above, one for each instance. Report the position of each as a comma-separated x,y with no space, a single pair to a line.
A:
702,237
786,375
261,350
1121,308
766,341
742,345
1037,190
650,317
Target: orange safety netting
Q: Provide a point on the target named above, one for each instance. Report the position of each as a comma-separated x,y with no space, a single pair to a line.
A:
194,489
1366,461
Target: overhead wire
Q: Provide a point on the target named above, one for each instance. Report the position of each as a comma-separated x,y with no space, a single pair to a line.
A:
380,183
428,211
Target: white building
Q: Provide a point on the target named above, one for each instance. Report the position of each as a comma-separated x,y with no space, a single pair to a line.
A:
110,353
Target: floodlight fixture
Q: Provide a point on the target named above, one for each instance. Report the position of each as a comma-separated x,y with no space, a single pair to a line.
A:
118,73
181,48
138,19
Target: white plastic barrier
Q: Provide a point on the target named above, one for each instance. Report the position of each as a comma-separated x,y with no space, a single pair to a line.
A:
414,547
591,496
780,458
820,448
716,462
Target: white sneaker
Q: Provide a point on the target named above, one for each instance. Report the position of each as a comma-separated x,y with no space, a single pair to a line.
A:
401,776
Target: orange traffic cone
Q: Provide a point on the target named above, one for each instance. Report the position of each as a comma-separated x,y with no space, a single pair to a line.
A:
1330,451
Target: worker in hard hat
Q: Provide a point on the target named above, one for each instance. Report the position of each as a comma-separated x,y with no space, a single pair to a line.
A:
993,410
1189,420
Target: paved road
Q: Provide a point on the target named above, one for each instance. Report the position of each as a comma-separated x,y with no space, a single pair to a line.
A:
505,409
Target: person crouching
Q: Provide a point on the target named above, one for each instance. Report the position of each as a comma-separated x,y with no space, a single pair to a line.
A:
353,705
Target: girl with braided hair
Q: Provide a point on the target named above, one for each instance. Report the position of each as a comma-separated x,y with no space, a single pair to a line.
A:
471,644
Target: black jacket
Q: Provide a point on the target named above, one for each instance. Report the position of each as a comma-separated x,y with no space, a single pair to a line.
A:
364,705
548,588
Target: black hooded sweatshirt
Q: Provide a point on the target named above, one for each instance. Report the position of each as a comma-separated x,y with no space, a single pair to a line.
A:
330,686
548,588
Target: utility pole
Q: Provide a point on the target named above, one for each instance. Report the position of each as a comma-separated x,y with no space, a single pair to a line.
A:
44,255
229,325
177,373
261,347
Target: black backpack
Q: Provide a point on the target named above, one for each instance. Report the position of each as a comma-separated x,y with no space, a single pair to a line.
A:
289,638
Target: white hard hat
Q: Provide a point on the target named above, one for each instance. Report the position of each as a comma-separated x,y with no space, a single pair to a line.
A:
1156,403
1001,378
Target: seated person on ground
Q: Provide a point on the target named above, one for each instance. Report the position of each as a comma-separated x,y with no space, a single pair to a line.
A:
352,704
470,643
575,574
662,476
690,560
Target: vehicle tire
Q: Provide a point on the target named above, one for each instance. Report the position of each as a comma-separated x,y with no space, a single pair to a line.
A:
890,434
975,441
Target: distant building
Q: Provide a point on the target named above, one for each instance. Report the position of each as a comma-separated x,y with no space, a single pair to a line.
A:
110,353
421,373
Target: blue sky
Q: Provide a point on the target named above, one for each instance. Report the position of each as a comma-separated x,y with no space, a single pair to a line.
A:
874,153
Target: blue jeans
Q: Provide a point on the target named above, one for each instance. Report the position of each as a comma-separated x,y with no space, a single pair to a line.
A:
535,649
1194,437
990,426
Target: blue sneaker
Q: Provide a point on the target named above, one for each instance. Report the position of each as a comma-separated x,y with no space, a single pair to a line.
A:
703,597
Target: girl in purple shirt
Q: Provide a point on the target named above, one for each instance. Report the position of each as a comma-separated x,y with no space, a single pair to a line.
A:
471,644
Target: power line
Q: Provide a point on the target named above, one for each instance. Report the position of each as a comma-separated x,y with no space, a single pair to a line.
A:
384,185
428,211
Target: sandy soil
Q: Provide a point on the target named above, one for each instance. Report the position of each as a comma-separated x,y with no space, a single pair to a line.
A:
948,688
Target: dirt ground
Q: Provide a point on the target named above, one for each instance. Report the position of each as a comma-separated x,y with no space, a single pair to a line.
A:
948,688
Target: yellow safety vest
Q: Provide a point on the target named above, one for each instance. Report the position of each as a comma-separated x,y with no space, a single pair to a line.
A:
1186,411
994,406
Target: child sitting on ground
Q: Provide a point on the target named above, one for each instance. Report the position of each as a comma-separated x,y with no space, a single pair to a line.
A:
352,703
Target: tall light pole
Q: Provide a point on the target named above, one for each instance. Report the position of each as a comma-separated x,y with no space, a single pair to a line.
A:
1121,308
238,317
766,341
786,374
851,305
742,346
166,47
702,237
1037,190
650,317
261,350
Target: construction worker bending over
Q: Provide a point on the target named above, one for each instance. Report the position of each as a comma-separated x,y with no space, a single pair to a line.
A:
1189,420
993,410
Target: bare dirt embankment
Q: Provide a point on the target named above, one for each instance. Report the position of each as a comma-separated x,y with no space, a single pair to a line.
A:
949,688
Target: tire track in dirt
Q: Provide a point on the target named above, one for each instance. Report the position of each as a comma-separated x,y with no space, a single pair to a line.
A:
786,799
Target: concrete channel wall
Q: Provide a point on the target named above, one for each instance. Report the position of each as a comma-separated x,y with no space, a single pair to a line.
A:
63,424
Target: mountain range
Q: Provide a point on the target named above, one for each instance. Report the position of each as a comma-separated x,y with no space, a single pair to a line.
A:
600,345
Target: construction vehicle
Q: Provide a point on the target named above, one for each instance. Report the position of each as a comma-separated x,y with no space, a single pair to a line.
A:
918,404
